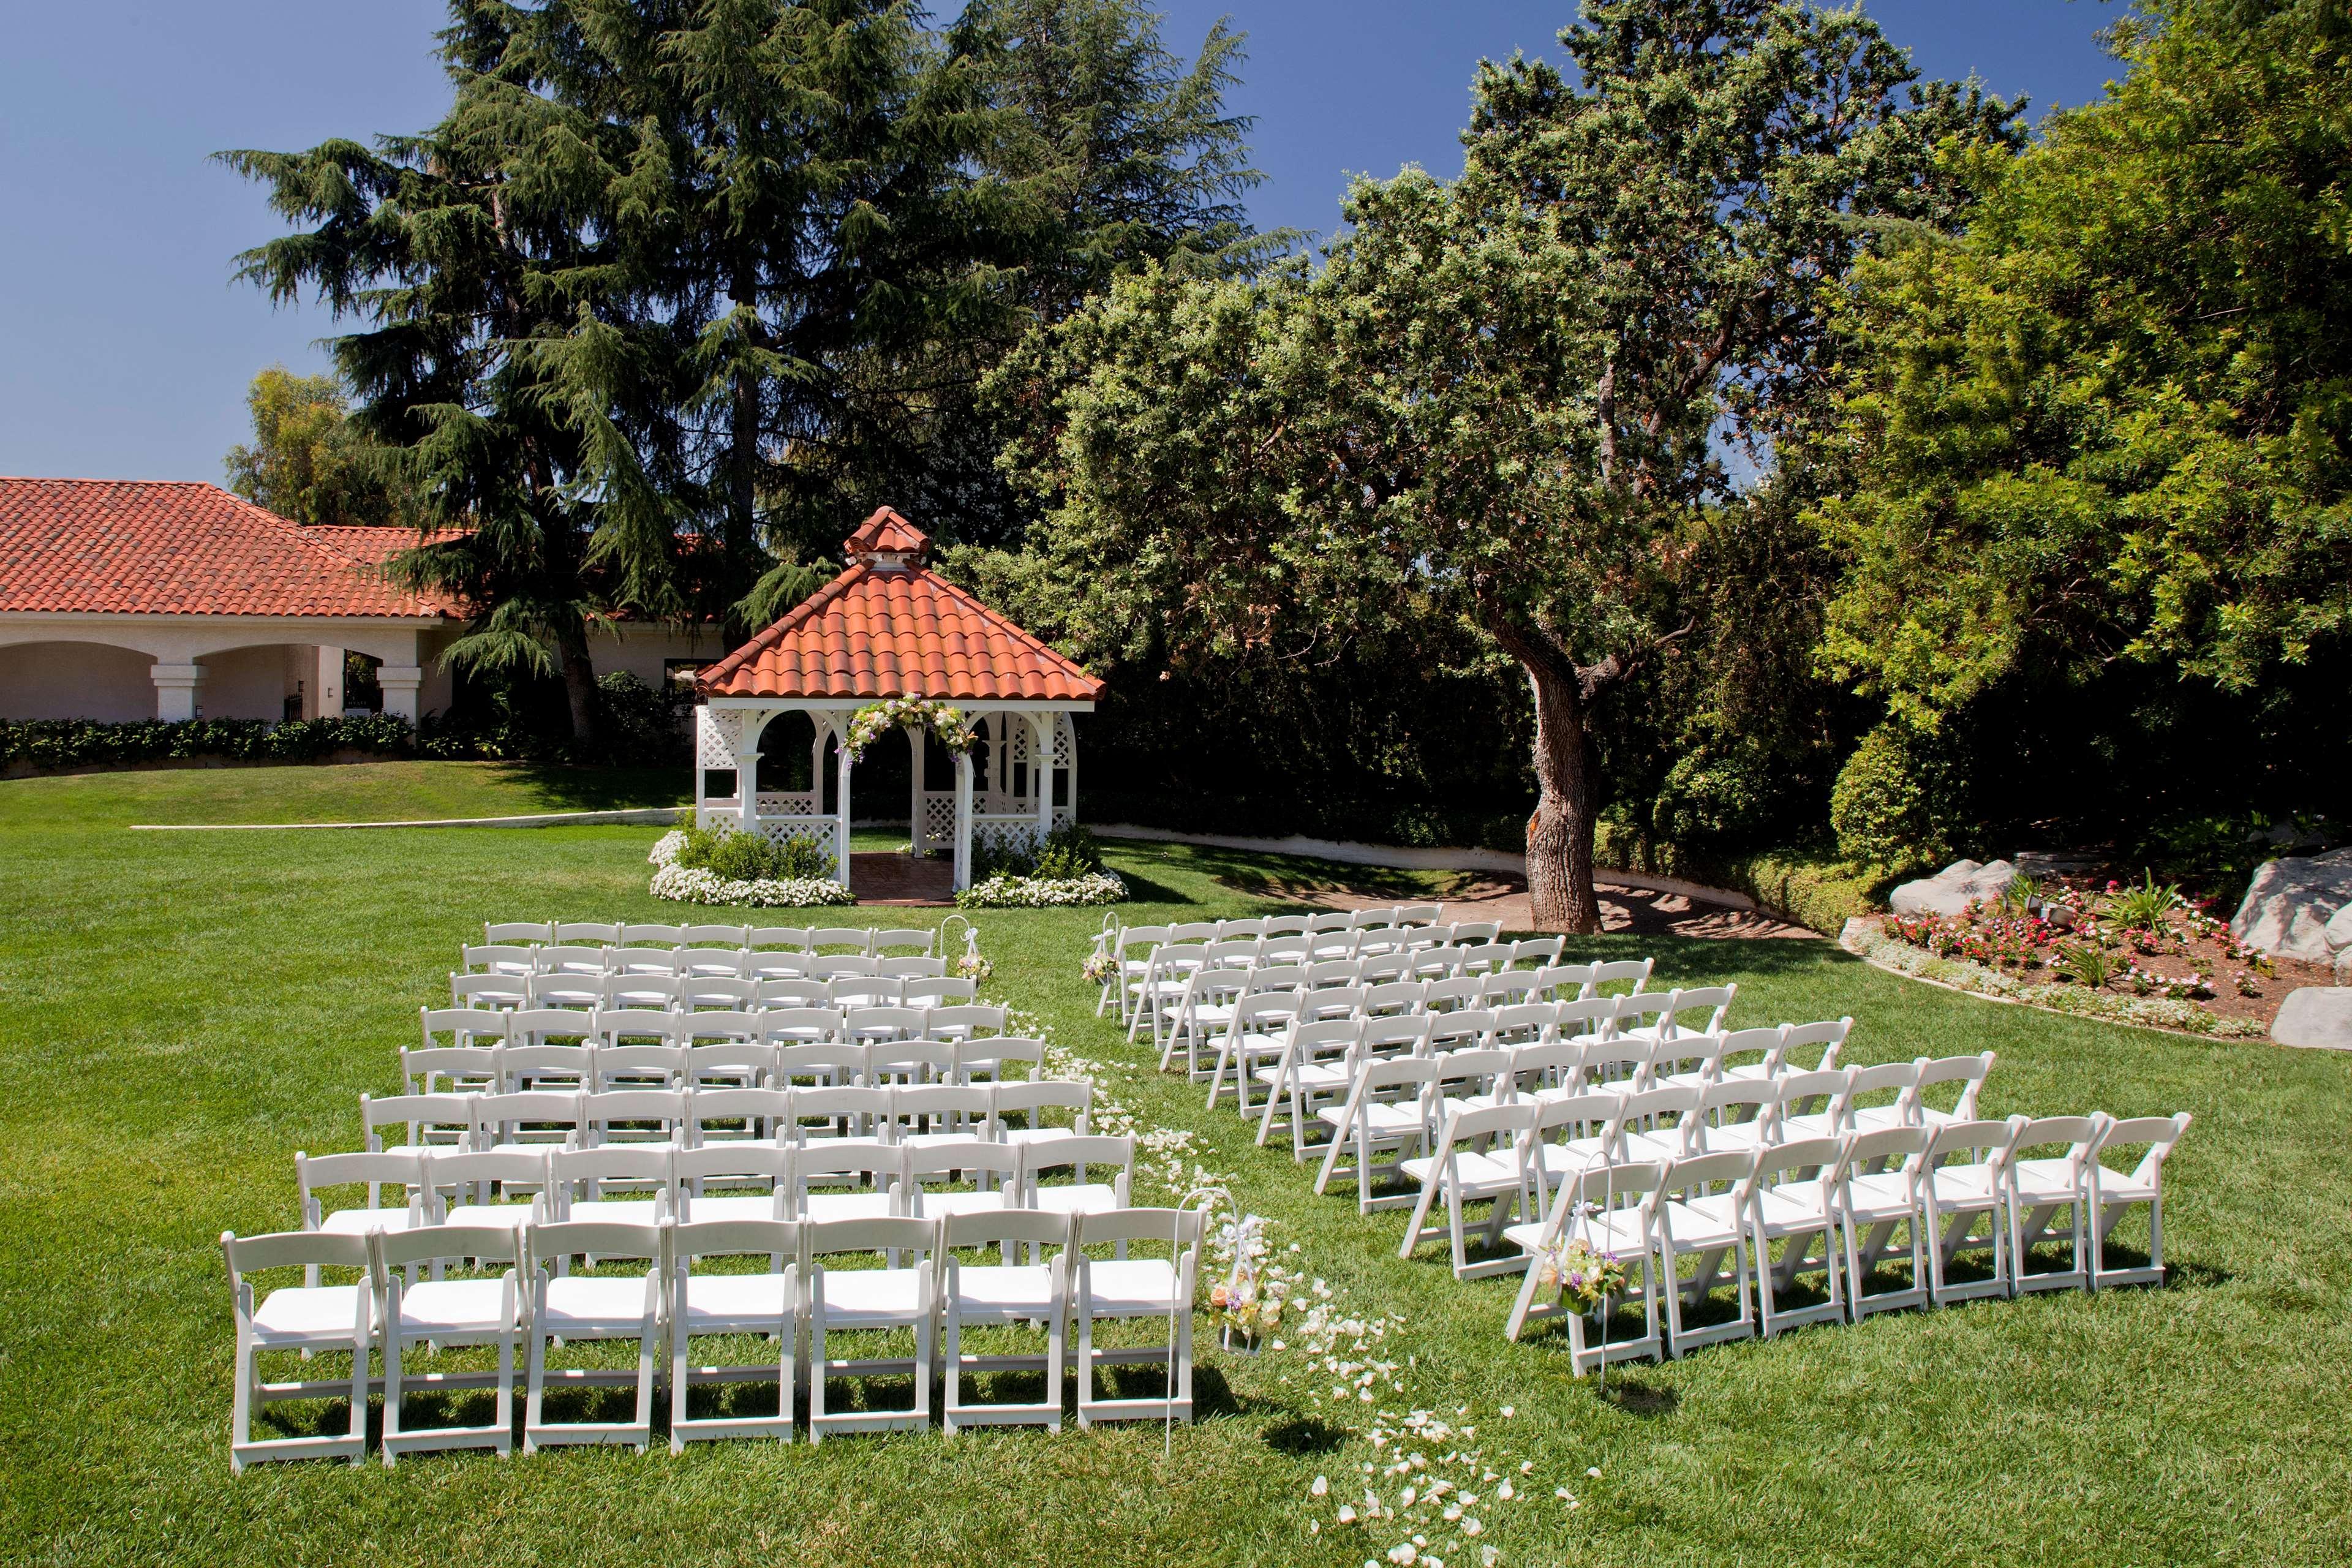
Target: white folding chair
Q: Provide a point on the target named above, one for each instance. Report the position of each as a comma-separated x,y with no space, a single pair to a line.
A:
443,1313
496,1188
2116,1192
437,1120
1703,1214
1964,1180
856,939
1568,1135
308,1320
778,994
2039,1185
1255,1035
1878,1190
1477,1159
740,1180
1316,1067
1004,1294
622,1184
939,993
903,942
1736,1114
960,1176
1128,1288
1968,1072
583,933
787,939
527,933
400,1169
577,1306
1030,1100
651,934
1388,1111
990,1057
490,991
731,1303
1659,1124
1079,1156
844,1300
1793,1202
1612,1210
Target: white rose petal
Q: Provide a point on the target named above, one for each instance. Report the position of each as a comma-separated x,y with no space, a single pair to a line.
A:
1322,1485
1488,1557
1472,1527
1406,1500
1403,1551
1505,1491
1594,1472
1346,1514
1509,1411
1527,1466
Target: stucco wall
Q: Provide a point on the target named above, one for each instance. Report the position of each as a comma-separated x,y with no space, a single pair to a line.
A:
252,682
75,680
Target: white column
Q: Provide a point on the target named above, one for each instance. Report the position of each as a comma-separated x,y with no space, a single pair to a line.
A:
747,790
176,689
962,820
916,735
1040,771
399,682
841,821
326,685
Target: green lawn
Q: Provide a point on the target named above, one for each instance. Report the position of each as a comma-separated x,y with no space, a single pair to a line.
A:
183,1011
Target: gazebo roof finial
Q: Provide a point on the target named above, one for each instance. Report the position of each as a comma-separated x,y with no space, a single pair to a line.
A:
887,542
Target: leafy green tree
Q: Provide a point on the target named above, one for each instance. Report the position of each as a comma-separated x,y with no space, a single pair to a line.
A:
308,461
2103,498
1501,399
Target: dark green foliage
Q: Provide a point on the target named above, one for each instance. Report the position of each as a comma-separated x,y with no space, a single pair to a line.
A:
1068,851
1900,803
636,724
752,857
45,743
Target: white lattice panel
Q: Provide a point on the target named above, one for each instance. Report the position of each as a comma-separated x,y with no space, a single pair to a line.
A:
787,805
717,735
938,817
1066,743
783,829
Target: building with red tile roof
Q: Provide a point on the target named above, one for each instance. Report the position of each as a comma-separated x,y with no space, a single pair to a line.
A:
139,599
889,627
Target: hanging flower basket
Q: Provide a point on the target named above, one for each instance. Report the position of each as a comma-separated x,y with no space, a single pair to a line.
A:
874,720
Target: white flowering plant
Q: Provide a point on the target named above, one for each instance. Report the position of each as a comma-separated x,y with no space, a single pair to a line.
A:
694,885
1010,893
874,720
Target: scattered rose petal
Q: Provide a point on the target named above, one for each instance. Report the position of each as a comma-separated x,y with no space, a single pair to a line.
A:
1472,1527
1403,1551
1509,1411
1593,1471
1346,1513
1488,1557
1505,1491
1322,1485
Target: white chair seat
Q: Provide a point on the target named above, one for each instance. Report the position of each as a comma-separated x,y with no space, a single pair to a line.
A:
512,1215
1710,1221
1737,1135
1132,1286
1619,1231
360,1222
631,1211
1478,1173
305,1314
1016,1291
1665,1145
1964,1186
583,1304
1384,1121
872,1297
2116,1189
1560,1161
845,1205
440,1306
1812,1124
1036,1134
1090,1198
731,1303
1877,1197
1871,1117
1791,1210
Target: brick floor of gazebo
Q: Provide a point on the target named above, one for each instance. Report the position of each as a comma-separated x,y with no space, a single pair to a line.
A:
887,878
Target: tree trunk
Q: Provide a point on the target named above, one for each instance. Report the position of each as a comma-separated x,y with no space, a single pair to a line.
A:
580,691
1559,834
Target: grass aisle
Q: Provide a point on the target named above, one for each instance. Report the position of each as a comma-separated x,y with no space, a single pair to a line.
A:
179,1013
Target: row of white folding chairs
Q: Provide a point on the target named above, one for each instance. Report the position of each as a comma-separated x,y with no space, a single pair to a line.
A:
691,992
1174,989
692,1288
869,939
1579,1106
732,1179
727,1062
1270,1037
479,1027
583,1118
1145,983
1832,1205
717,963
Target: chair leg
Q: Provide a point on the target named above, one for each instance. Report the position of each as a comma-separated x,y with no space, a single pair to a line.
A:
506,1392
390,1393
1057,1344
1086,1362
1419,1213
240,1414
648,1353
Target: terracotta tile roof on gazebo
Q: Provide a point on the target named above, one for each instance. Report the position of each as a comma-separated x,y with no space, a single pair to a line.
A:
889,627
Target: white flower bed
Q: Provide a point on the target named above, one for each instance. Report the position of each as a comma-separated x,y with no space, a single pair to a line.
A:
1043,892
687,885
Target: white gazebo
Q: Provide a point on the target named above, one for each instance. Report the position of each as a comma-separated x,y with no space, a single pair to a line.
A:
889,627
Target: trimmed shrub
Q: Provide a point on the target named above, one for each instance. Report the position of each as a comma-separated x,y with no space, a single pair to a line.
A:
45,743
753,856
1899,802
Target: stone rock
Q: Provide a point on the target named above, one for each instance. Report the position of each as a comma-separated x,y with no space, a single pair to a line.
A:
2315,1015
2062,917
2040,865
1953,889
2296,908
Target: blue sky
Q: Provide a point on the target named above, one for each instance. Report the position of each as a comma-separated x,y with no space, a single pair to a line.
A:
125,348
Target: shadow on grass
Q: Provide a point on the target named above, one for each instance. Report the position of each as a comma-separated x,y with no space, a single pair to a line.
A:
1635,1395
1304,1435
597,789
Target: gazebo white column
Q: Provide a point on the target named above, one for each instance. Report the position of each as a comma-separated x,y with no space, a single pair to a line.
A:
1040,771
841,818
915,736
746,785
962,878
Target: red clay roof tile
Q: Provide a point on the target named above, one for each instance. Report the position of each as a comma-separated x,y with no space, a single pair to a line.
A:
157,547
881,633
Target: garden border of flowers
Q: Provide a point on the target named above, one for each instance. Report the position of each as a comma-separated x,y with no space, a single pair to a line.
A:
686,885
1862,938
1006,892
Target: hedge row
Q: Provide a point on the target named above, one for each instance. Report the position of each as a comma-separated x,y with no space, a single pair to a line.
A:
45,743
1813,888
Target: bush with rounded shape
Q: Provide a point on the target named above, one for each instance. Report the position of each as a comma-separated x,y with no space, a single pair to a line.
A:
1899,802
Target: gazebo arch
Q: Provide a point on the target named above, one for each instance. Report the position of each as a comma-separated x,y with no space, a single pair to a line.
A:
890,627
